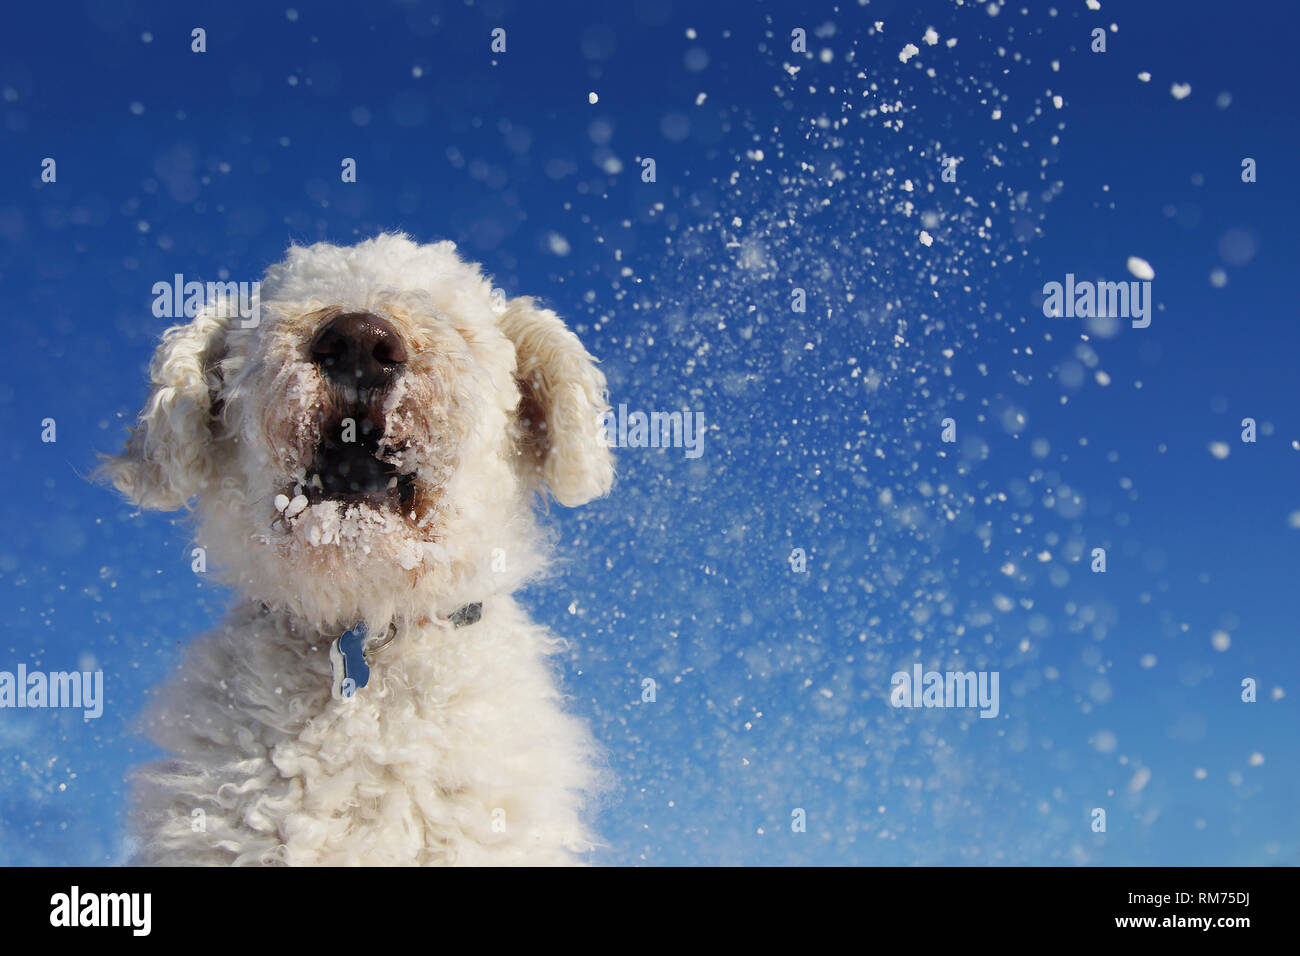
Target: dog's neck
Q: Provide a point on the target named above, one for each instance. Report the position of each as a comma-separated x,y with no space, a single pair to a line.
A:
353,649
464,616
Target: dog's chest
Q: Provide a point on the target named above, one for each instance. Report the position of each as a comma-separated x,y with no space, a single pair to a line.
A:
455,750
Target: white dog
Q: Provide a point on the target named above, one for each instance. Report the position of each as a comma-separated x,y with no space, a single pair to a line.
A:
361,463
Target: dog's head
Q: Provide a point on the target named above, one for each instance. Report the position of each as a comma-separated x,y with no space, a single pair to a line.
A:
368,447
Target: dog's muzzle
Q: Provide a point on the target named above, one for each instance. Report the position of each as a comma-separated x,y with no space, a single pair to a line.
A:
360,355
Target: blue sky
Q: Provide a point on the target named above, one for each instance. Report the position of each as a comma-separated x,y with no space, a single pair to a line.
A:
775,171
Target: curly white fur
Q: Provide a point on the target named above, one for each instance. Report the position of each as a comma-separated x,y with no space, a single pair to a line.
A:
458,751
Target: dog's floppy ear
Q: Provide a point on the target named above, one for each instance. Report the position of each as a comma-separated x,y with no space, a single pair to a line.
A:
562,399
168,458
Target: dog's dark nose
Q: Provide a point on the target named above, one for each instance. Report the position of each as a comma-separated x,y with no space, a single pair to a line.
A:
359,349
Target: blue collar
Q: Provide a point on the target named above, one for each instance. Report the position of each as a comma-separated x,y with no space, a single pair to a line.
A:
351,670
